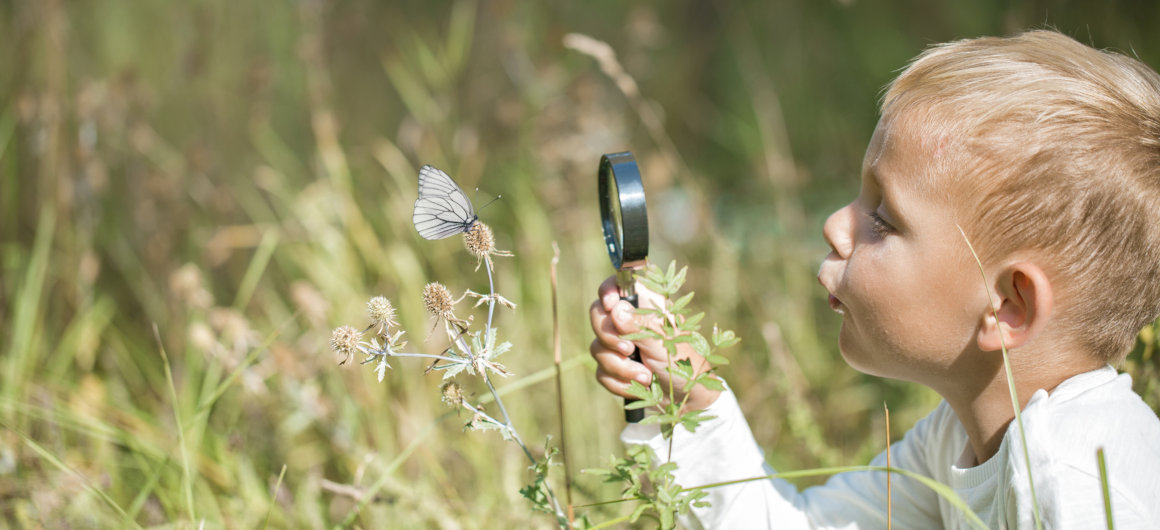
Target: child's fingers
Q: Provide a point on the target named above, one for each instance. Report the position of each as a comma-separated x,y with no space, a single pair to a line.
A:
615,385
614,365
625,320
606,332
608,293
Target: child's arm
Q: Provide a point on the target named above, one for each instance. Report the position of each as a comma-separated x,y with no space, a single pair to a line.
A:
723,449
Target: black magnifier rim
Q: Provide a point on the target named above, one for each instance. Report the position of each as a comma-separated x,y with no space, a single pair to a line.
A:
632,250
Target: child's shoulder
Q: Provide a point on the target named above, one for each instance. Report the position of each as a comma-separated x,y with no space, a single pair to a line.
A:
1099,397
1092,411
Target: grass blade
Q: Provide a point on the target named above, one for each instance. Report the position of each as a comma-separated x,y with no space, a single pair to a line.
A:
1104,487
52,459
1011,389
186,476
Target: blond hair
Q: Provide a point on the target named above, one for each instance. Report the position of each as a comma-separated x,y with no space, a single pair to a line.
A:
1052,147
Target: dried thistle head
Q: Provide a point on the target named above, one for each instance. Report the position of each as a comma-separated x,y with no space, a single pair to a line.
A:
480,242
344,341
381,313
452,394
437,300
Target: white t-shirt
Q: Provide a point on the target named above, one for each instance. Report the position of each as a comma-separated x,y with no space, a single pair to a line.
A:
1064,429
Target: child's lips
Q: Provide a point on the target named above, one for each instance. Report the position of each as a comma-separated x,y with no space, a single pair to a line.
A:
836,305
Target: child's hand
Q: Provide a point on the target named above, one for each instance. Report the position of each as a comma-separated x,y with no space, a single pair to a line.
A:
612,317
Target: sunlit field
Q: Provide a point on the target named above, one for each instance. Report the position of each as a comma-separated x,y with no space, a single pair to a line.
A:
193,195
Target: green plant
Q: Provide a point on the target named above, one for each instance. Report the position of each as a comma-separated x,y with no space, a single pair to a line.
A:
674,323
471,351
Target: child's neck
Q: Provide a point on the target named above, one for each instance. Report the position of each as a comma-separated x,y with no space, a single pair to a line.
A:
982,400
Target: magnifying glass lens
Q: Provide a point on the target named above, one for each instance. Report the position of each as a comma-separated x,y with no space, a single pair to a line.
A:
617,217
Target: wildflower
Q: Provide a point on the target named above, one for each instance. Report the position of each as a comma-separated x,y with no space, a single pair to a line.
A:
344,341
437,300
452,394
481,243
382,314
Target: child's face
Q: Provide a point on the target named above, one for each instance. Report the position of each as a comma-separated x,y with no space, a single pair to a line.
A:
899,271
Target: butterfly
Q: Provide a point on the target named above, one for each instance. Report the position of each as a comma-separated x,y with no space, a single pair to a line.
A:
442,209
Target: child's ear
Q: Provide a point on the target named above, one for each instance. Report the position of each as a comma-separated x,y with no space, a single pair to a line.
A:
1024,301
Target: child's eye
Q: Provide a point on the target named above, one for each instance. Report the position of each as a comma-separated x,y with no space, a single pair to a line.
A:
879,226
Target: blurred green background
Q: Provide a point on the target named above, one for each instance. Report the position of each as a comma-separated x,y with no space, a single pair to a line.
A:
228,181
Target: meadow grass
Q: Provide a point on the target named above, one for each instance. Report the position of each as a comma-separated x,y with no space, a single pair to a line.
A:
192,195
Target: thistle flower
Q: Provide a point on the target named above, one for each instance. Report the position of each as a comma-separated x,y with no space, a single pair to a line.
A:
344,341
452,394
480,242
437,300
381,313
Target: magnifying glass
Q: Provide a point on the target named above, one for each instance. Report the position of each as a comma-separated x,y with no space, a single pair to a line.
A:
625,219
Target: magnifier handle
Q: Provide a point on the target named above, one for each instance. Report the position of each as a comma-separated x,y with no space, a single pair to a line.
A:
635,415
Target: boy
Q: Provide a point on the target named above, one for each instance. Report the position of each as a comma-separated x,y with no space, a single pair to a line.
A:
1046,154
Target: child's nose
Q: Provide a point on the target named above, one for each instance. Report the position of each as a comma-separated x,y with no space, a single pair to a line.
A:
838,231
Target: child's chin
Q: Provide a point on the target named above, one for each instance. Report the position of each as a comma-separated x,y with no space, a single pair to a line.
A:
859,360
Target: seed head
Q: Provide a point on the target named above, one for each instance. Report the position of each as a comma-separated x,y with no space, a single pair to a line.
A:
479,240
437,300
381,312
452,394
344,341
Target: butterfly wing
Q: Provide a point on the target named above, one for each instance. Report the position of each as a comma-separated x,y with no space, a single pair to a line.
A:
442,209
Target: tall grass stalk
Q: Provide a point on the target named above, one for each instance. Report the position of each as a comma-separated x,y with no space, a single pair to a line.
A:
186,474
560,415
1010,383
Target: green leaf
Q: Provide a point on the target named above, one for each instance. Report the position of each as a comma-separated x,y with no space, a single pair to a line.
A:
700,345
639,391
648,311
638,512
666,519
712,383
638,404
692,323
694,419
679,280
659,418
642,335
724,338
653,273
680,303
658,395
717,360
682,368
598,471
652,285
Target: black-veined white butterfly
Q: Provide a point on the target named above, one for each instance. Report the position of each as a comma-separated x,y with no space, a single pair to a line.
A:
442,209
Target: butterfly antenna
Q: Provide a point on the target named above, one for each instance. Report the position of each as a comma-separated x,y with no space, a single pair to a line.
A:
497,197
